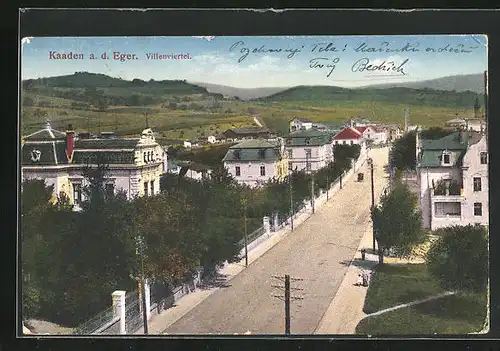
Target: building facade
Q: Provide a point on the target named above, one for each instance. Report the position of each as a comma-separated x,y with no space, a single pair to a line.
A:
348,136
134,165
309,149
453,177
254,162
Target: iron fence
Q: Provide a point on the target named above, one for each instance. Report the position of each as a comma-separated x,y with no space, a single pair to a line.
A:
93,325
253,236
133,312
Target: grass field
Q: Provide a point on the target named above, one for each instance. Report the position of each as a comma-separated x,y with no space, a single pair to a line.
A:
199,117
393,285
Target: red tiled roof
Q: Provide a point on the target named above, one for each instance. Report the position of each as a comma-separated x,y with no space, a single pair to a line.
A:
361,129
347,133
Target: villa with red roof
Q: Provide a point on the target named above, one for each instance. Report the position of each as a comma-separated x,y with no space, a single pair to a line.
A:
348,136
373,133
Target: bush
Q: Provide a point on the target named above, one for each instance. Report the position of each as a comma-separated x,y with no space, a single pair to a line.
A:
459,258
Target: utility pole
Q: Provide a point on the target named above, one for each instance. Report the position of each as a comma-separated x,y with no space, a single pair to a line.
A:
370,162
244,203
287,297
327,186
291,202
143,290
312,191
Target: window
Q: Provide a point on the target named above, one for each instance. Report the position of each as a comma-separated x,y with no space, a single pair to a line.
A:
477,183
484,158
152,187
290,166
146,190
109,189
262,170
446,159
77,193
443,209
352,142
290,153
145,159
238,171
478,209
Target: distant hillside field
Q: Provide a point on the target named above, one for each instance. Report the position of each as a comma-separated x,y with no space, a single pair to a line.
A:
181,110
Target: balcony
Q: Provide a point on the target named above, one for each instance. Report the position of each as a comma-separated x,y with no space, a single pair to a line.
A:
448,190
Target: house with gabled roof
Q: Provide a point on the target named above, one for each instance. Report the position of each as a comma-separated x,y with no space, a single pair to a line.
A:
254,162
300,123
309,149
348,136
452,173
59,158
373,133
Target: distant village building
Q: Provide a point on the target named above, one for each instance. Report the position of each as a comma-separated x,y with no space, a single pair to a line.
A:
348,136
189,144
212,139
394,132
357,122
470,124
238,134
453,178
300,124
309,149
254,162
135,164
193,170
373,133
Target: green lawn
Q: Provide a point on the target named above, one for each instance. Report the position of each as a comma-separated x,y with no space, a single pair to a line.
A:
456,314
393,285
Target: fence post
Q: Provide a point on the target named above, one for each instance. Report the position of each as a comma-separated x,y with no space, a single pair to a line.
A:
267,226
147,292
119,307
276,222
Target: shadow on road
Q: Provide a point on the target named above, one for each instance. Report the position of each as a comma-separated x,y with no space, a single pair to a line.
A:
362,264
216,281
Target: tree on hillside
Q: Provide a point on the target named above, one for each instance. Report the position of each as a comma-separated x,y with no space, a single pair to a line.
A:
477,106
459,258
397,222
434,133
404,152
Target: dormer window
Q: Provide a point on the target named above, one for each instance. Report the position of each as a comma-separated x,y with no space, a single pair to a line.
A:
237,154
446,157
262,153
484,158
308,141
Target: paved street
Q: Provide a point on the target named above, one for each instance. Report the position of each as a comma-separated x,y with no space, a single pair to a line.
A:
318,251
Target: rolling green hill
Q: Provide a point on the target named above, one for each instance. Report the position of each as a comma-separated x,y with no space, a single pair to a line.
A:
421,97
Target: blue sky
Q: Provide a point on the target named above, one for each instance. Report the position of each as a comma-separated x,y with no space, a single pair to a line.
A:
213,61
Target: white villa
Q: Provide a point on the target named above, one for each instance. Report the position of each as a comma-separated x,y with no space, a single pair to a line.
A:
135,164
253,162
348,136
453,178
375,134
309,149
300,124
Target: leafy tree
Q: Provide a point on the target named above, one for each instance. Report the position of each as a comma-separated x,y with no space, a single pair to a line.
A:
434,133
459,258
404,152
397,222
477,106
35,202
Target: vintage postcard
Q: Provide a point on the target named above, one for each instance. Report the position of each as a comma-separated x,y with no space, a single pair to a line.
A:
210,185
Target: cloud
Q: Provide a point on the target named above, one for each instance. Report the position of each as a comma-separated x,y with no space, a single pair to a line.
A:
395,58
211,58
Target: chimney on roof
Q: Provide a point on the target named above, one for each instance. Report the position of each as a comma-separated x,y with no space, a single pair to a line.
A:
70,141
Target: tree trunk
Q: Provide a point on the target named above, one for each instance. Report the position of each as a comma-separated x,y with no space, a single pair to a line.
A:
380,256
